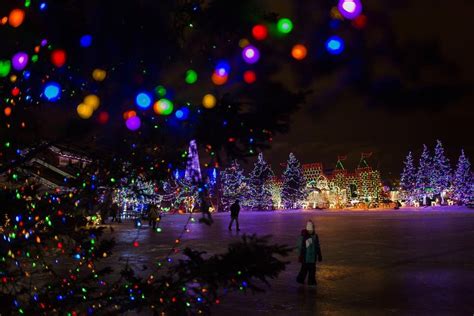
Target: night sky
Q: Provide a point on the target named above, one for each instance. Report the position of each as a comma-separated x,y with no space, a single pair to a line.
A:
405,79
415,87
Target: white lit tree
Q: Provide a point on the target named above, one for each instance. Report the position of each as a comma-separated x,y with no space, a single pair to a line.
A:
408,179
441,172
294,184
232,185
463,183
259,196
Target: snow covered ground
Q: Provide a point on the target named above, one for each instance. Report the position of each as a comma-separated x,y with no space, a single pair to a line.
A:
412,261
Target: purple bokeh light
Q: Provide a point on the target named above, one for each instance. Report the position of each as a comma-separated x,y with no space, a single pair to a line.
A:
350,9
250,54
20,60
133,123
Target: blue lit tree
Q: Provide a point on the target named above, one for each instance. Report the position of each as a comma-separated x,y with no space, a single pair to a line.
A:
463,183
441,172
408,179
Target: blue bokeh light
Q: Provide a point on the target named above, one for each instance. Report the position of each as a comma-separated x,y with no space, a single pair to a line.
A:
86,40
143,100
52,91
335,45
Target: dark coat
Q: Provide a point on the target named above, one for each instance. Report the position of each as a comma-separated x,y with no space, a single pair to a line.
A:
234,210
311,253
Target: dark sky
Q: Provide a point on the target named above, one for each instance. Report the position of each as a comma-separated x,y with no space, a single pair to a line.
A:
421,79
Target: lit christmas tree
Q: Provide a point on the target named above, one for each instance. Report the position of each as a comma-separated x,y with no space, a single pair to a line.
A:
463,183
294,184
232,185
193,170
441,172
259,196
423,175
408,179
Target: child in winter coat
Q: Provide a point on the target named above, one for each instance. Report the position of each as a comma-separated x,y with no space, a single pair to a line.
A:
309,251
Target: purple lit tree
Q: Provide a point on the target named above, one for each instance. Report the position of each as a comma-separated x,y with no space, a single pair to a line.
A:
463,183
193,169
441,172
294,184
408,179
423,179
259,196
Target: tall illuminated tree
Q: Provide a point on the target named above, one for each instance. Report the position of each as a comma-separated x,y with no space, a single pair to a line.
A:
232,185
463,184
423,175
408,179
294,184
259,196
193,169
441,172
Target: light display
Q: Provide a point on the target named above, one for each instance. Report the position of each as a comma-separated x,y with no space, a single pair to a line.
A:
408,180
294,184
258,194
463,182
232,185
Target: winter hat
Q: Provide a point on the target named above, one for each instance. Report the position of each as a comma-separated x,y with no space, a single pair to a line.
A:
310,226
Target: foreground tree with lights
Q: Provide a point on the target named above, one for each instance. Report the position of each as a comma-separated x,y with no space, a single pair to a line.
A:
294,184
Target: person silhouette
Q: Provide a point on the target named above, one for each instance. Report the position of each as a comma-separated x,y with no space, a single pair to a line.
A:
234,214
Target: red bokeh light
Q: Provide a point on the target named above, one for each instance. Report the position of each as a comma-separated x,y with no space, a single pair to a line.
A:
250,76
58,57
260,32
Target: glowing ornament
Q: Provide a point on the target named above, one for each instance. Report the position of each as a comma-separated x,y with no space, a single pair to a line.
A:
15,91
163,107
103,117
335,45
143,100
93,101
182,113
58,57
350,9
52,91
133,123
299,52
86,40
260,32
191,77
5,67
284,25
250,54
250,76
84,111
7,111
218,79
20,60
16,17
99,74
209,101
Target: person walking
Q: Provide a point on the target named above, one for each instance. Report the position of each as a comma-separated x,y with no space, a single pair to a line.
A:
234,214
309,251
206,214
152,216
114,209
